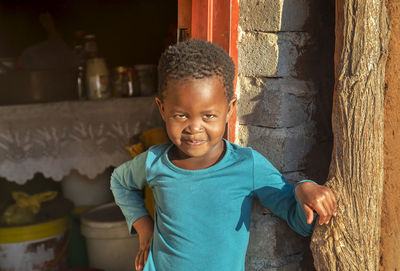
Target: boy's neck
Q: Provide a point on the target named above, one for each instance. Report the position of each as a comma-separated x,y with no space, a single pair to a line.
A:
183,161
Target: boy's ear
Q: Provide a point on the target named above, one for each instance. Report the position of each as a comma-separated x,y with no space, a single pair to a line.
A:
160,106
231,108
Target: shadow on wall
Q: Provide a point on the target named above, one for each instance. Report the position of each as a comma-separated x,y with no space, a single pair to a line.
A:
295,104
316,64
279,119
298,95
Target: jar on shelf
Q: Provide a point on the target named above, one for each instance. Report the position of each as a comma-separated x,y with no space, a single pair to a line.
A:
147,74
97,78
126,82
117,80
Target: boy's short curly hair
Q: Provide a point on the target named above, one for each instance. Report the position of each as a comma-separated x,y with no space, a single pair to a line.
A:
195,59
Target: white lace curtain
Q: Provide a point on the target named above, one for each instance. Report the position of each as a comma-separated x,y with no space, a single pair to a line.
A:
55,138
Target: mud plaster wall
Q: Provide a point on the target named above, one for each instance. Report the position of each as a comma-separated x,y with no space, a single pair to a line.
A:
285,84
390,227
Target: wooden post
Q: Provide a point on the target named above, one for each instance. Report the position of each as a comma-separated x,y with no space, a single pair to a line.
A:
351,240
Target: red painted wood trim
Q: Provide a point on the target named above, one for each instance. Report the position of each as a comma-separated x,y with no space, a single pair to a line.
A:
210,22
185,16
233,52
200,19
220,24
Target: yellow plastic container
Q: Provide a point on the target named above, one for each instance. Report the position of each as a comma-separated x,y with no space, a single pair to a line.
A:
40,246
154,136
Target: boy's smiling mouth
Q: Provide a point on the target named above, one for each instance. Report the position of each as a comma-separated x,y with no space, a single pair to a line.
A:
193,142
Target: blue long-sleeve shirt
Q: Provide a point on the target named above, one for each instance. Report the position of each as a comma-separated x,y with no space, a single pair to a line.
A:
202,217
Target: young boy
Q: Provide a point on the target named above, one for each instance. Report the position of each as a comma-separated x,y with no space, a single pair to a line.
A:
203,185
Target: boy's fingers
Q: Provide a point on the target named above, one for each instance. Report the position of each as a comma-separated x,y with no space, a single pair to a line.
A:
139,261
309,214
331,205
330,201
325,206
322,212
146,255
331,212
141,258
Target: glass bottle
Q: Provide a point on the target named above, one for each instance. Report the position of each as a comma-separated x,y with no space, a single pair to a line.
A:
80,82
90,46
78,47
97,75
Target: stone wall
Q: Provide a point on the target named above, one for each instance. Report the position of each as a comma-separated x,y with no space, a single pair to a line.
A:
285,83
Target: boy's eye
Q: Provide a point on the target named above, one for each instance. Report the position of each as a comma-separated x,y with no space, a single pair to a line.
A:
180,116
209,116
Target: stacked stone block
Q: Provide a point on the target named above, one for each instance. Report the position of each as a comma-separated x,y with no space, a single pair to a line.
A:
275,109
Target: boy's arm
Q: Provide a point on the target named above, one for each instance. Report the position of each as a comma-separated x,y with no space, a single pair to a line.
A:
144,226
127,183
278,195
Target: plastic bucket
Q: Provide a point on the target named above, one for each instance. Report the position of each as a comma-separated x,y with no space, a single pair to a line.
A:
35,247
83,191
109,244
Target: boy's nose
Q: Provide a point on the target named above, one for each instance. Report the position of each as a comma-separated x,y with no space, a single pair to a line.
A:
194,127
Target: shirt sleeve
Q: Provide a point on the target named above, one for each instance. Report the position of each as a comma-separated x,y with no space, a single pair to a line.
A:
127,183
277,194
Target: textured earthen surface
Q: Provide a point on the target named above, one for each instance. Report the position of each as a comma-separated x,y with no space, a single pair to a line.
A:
390,227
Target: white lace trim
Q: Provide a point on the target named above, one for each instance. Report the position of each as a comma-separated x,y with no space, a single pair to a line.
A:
55,138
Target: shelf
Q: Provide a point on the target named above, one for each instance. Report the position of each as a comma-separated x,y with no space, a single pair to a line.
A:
54,138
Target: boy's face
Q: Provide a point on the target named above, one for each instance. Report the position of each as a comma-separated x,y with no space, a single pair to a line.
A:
195,112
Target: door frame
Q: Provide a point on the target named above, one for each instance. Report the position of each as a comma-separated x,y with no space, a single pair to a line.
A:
215,21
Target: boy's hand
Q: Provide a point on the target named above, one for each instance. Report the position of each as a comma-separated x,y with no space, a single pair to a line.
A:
316,197
144,227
